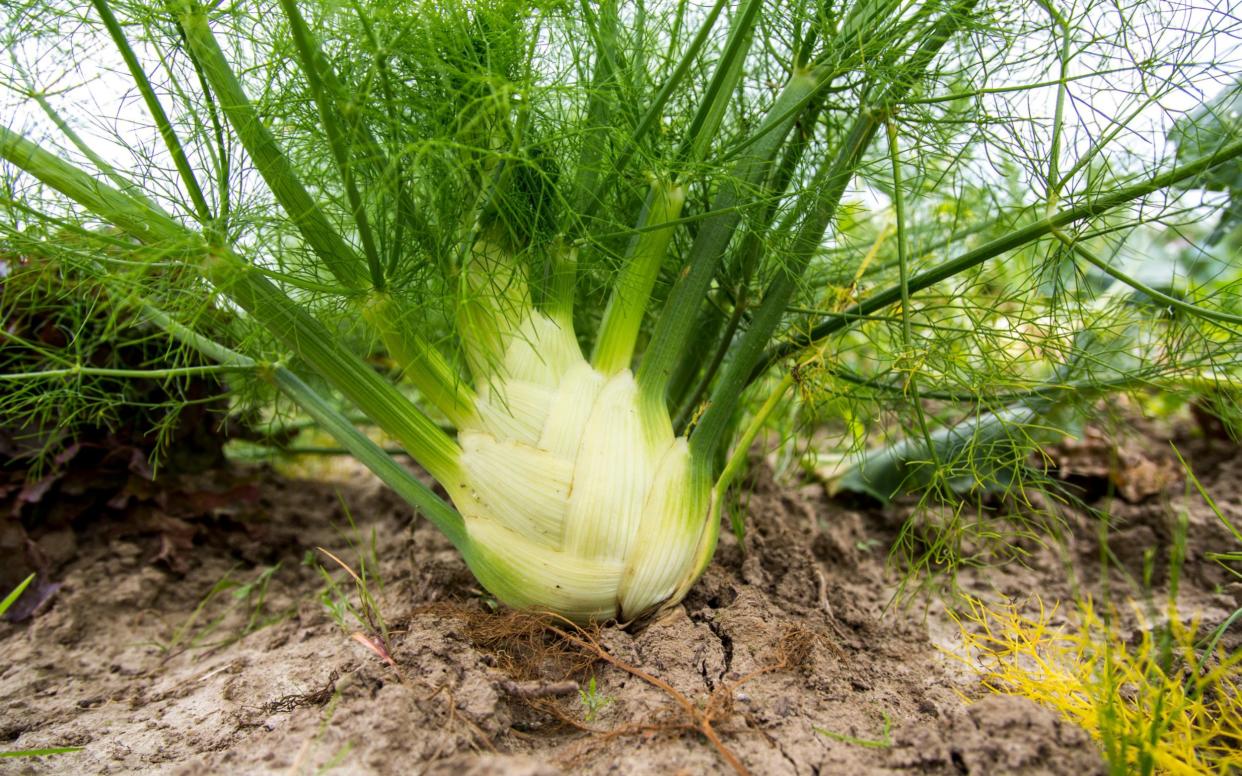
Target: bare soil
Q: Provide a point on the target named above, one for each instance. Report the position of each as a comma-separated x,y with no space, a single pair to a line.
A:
783,659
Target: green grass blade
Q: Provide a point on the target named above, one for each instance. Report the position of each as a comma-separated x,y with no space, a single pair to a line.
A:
15,594
43,752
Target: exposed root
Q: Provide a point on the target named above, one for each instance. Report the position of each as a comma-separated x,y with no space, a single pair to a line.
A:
821,589
793,648
318,697
452,716
548,656
523,646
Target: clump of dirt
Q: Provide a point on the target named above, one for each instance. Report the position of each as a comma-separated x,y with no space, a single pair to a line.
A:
257,654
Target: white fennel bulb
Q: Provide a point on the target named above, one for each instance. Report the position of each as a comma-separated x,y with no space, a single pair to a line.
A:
576,495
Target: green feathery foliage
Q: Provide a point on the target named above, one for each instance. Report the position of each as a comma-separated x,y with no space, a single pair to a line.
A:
583,237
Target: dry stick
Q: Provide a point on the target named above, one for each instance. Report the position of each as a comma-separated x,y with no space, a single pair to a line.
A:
530,690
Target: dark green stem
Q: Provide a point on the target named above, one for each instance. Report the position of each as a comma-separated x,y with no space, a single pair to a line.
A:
139,217
997,247
907,335
344,370
354,442
152,101
375,458
656,109
599,109
676,324
829,185
710,113
224,207
1216,316
831,180
265,152
331,102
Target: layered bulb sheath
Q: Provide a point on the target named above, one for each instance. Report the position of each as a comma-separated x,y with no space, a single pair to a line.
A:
577,497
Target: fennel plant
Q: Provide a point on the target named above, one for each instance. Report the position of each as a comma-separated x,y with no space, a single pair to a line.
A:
548,248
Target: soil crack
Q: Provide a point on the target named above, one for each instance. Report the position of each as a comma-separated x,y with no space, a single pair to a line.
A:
707,679
781,748
726,647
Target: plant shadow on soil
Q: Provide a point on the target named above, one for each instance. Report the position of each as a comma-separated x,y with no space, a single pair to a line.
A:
781,657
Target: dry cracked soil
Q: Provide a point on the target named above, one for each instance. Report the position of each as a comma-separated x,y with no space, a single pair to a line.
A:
784,659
